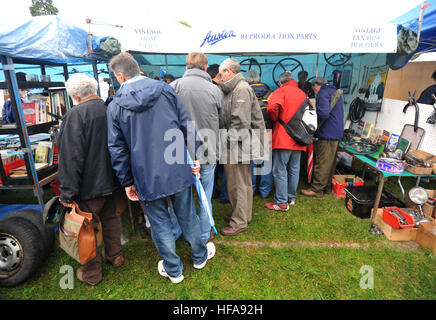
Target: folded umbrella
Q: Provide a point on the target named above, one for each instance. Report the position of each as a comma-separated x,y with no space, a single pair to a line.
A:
202,195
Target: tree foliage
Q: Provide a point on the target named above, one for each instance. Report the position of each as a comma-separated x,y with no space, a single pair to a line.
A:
42,8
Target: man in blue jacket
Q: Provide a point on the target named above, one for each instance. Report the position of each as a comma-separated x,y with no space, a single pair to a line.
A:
143,119
7,113
329,133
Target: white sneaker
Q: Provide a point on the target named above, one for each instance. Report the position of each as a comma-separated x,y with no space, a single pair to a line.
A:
163,273
291,202
211,249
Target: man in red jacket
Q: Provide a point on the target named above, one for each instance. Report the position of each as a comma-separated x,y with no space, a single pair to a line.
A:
284,103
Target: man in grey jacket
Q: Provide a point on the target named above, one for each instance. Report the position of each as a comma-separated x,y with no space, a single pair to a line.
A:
243,120
204,102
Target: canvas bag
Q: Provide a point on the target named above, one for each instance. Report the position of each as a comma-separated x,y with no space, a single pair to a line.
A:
303,124
76,235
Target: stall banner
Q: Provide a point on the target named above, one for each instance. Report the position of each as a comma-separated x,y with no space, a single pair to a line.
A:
298,39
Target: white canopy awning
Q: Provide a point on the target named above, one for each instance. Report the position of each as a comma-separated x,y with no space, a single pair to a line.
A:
177,38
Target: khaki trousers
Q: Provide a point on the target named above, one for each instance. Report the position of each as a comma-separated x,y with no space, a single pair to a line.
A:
240,190
324,164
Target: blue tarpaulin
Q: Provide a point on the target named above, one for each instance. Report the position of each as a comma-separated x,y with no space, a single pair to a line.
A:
45,39
410,20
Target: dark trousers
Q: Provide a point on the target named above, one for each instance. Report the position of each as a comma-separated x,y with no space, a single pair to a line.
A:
103,210
324,165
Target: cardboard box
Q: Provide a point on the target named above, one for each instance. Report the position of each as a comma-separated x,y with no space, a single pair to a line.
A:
394,234
426,236
429,210
338,184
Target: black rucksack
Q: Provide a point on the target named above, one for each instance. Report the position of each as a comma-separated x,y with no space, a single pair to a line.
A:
303,124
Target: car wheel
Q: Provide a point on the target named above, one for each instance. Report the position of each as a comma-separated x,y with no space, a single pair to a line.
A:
20,251
35,217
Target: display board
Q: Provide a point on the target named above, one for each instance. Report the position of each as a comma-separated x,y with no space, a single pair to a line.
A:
413,76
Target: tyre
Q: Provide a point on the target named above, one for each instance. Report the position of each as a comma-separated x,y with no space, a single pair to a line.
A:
20,251
35,217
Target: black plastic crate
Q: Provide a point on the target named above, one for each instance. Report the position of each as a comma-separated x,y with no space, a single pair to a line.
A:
360,200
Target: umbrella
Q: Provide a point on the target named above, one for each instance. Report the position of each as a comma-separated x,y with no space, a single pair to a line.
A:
202,195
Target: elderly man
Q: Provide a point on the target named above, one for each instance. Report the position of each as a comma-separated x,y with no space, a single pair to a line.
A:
284,103
242,114
143,119
85,172
329,133
204,102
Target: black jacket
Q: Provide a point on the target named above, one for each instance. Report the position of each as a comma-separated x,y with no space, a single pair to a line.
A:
85,170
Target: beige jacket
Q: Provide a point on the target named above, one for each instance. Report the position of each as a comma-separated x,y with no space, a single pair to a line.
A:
243,120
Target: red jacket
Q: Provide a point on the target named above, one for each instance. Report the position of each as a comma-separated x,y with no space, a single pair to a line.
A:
285,101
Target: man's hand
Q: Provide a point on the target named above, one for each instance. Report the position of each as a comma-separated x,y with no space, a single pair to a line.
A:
131,193
67,205
195,169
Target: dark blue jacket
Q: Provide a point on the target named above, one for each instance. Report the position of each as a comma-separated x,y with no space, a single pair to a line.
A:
7,114
332,123
139,117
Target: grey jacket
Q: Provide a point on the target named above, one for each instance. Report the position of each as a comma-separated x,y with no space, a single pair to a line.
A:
204,102
243,114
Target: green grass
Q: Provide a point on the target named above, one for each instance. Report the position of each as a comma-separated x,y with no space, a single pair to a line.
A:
282,256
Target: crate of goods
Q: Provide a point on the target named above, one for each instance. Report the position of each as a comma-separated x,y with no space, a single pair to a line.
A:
426,235
359,200
420,162
429,208
392,233
8,167
398,218
339,182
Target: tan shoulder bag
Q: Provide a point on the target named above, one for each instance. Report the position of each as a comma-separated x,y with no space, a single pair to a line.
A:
76,235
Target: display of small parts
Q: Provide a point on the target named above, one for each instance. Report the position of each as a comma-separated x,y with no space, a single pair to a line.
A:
362,147
416,162
390,165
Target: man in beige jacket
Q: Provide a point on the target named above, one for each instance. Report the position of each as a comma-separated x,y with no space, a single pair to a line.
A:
245,128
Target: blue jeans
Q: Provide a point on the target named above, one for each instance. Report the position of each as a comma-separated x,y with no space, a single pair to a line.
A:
286,172
207,176
162,230
177,231
266,178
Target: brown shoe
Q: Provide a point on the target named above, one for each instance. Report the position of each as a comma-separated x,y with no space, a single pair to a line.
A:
79,275
310,193
229,231
118,261
228,217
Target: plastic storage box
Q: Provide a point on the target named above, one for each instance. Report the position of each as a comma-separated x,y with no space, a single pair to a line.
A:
359,200
338,184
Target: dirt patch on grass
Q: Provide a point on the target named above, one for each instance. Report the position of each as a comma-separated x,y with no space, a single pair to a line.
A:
401,246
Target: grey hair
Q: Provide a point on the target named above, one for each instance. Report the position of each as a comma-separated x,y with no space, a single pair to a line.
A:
252,76
81,85
285,77
319,81
231,64
125,63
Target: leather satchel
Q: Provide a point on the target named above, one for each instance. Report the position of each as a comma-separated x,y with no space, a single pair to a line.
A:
76,235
